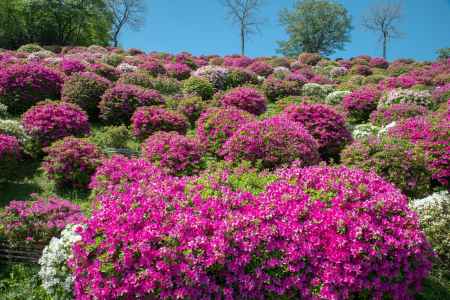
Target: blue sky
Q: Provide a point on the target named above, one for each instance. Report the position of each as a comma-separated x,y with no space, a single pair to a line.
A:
200,27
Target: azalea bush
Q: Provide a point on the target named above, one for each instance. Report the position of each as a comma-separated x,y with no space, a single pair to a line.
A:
71,162
119,102
360,103
406,96
191,107
396,112
174,153
271,143
50,121
10,155
148,120
248,99
85,89
23,85
36,222
199,87
216,125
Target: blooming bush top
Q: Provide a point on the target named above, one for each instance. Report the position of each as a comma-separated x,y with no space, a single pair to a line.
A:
119,102
148,120
271,143
25,222
401,96
22,86
360,103
70,66
237,61
10,155
275,88
179,71
324,124
217,76
248,99
378,62
396,112
216,125
261,68
49,121
174,153
414,129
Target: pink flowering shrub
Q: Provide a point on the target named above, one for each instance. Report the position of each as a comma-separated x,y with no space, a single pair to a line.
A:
360,103
396,112
85,89
22,86
414,129
378,62
70,66
148,120
71,162
309,58
398,161
277,88
50,121
216,125
37,221
191,107
174,153
120,102
10,155
179,71
361,70
324,124
441,93
248,99
317,233
154,67
271,143
261,68
237,61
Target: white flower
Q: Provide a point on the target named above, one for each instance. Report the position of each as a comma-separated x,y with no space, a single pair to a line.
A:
126,68
365,130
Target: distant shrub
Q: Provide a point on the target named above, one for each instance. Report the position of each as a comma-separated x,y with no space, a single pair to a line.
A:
360,103
71,66
338,72
216,125
324,124
401,96
22,86
138,78
154,67
119,102
105,70
378,62
336,97
10,155
277,88
239,76
216,75
248,99
414,129
113,59
191,107
362,70
261,68
85,89
178,70
396,160
315,90
148,120
37,221
396,112
441,93
71,162
271,143
50,121
174,153
237,61
166,85
309,58
199,87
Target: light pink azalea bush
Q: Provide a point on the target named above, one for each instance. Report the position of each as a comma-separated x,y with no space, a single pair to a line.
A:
248,99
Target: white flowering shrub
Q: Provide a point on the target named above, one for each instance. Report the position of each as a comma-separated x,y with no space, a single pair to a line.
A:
363,131
336,97
404,96
126,68
316,90
56,277
14,128
216,75
338,72
434,212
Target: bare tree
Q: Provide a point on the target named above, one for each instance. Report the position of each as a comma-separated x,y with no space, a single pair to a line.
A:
383,19
244,13
125,13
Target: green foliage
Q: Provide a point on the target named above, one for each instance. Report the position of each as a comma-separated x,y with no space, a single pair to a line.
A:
19,282
166,85
199,87
315,26
443,53
111,137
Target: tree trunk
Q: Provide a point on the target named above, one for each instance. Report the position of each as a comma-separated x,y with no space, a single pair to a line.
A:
385,40
116,39
242,41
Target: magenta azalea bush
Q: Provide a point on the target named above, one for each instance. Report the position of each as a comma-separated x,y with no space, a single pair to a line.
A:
37,221
324,124
275,88
396,112
261,68
71,162
360,103
216,125
248,99
86,90
120,102
271,143
317,233
174,153
22,86
179,71
148,120
414,129
10,155
50,121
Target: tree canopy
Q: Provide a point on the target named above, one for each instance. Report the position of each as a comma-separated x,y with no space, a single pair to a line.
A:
317,26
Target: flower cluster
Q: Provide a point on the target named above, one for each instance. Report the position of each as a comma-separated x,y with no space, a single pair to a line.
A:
402,96
55,274
148,120
363,131
22,86
441,93
360,103
271,143
85,89
378,62
216,125
336,97
179,71
37,221
191,107
248,99
70,66
71,162
120,102
237,61
174,153
396,112
10,154
50,121
414,129
261,68
217,76
324,124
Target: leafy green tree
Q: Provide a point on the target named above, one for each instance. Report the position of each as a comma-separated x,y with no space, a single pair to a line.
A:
443,53
316,26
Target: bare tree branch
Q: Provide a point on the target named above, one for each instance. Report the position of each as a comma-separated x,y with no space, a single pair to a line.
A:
244,14
382,19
